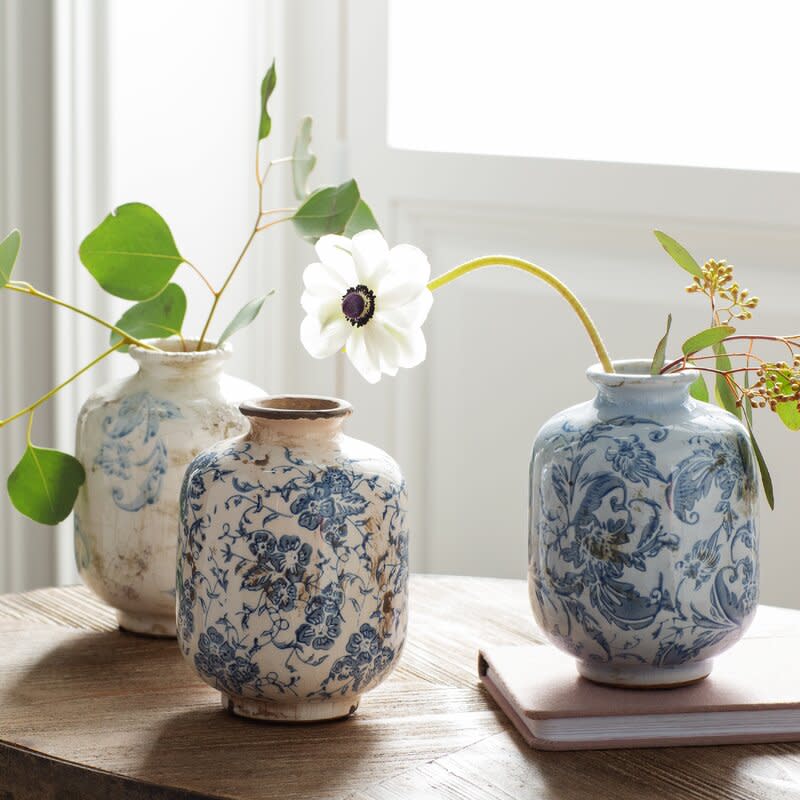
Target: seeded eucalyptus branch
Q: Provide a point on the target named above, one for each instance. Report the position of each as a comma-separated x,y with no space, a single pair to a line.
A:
743,379
133,255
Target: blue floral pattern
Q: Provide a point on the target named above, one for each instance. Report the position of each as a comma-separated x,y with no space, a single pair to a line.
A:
275,564
634,558
132,453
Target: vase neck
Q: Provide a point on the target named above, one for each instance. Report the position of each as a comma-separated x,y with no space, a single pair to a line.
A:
171,363
631,388
288,419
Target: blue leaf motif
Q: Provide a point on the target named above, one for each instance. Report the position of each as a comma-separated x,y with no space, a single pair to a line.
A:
132,453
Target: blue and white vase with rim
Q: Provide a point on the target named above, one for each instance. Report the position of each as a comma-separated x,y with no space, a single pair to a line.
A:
135,438
643,550
292,571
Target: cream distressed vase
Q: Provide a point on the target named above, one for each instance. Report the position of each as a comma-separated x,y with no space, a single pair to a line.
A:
135,438
293,564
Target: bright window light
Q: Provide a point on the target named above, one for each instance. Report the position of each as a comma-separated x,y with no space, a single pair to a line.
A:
708,83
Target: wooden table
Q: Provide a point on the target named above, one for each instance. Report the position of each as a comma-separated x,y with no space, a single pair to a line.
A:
87,711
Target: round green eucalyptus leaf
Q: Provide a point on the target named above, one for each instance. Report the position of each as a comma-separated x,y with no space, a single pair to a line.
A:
362,219
45,483
158,318
9,249
333,209
131,253
327,210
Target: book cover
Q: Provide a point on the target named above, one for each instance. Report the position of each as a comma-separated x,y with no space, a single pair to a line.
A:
752,695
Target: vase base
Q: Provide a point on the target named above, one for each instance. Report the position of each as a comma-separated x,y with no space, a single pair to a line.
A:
147,624
645,677
266,711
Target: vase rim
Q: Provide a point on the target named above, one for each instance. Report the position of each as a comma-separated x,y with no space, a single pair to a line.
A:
296,406
636,372
171,351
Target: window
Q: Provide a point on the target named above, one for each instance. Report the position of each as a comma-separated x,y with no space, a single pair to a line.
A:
706,84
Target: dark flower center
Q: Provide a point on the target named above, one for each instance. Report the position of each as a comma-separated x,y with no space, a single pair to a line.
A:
358,305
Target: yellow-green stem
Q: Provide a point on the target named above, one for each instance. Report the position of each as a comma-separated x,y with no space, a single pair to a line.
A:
542,274
45,397
26,288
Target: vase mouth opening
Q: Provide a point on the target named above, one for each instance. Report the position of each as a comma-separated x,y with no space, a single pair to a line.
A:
296,406
635,372
171,351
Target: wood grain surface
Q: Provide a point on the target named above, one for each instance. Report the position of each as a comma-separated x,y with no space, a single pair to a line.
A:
87,711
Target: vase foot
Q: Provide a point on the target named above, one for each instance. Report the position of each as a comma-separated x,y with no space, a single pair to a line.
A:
267,711
147,624
641,676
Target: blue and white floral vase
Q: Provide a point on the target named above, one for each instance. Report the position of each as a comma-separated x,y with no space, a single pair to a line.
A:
643,530
135,438
292,572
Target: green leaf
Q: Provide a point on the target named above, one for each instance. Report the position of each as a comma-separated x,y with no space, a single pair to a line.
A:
303,160
9,249
787,410
766,478
723,392
789,414
45,483
244,317
746,404
267,88
362,219
707,338
679,253
158,318
661,350
131,253
327,210
699,390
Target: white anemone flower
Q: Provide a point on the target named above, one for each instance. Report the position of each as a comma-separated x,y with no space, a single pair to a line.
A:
368,299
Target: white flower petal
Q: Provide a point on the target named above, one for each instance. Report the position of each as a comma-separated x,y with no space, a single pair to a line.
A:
361,356
324,308
383,343
412,347
324,280
323,340
408,275
410,315
335,251
371,257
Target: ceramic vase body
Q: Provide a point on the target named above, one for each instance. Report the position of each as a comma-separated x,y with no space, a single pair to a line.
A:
643,558
135,438
293,564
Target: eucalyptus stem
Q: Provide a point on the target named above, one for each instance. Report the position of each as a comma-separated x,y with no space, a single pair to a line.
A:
218,294
201,275
542,274
789,341
45,397
224,286
26,288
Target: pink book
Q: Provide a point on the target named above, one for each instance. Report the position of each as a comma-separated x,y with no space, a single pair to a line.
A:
752,695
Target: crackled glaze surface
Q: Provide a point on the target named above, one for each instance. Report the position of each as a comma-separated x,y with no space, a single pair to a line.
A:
135,438
293,569
643,531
